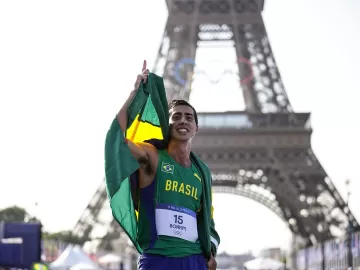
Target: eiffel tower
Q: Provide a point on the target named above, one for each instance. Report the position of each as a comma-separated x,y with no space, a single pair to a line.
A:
263,153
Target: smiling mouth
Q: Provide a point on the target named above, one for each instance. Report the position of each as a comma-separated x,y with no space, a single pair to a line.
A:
182,130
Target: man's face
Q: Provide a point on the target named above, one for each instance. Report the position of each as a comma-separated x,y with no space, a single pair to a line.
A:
182,121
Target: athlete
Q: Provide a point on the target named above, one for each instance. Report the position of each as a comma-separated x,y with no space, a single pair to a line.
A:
178,183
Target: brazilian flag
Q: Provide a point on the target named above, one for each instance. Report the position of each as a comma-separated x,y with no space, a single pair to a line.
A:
148,113
148,121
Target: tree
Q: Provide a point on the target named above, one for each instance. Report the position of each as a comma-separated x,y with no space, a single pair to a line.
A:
16,214
13,214
64,236
19,214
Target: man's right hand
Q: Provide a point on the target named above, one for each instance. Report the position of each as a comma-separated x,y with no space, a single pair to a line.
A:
122,115
141,77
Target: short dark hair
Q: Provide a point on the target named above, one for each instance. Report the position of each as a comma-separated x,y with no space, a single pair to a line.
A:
178,102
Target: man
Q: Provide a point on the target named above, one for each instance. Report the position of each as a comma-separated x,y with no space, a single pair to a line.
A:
170,192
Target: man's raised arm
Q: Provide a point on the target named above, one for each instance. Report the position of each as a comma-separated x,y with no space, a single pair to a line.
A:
139,150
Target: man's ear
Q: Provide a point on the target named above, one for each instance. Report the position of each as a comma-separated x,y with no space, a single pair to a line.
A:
197,129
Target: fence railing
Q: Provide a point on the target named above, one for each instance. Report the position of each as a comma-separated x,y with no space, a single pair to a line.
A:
330,255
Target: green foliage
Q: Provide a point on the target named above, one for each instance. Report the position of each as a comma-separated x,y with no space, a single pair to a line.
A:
18,214
14,214
65,236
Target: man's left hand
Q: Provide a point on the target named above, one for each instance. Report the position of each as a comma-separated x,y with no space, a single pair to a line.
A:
212,263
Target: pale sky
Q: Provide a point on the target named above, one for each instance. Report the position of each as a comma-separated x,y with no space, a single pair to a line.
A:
66,67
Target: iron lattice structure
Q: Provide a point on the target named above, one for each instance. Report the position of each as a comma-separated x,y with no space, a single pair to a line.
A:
263,153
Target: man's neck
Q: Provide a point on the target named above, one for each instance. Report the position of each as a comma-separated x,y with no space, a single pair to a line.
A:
180,152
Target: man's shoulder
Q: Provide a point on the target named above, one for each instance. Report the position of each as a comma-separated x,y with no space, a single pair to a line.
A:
200,162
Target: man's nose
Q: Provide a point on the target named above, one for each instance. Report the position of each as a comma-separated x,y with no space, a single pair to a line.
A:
183,120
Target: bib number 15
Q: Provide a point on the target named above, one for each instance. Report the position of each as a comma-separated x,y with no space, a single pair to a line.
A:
178,219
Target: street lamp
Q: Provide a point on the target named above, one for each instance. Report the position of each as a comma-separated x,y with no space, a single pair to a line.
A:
347,184
349,227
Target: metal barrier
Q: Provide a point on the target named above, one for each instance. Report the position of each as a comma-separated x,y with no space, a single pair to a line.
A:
330,255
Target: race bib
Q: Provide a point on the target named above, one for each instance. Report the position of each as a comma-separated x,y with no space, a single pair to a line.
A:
176,221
